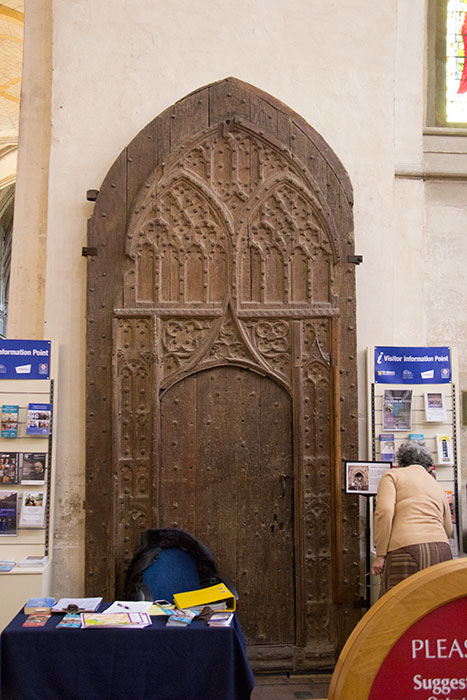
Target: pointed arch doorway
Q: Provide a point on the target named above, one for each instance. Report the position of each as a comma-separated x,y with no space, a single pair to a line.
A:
221,364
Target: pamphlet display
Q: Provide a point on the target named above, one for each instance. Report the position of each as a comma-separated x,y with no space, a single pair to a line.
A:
412,396
27,377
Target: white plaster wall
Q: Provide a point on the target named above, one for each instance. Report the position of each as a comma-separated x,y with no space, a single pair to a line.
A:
353,69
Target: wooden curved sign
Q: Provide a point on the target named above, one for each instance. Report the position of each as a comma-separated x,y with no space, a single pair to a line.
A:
412,644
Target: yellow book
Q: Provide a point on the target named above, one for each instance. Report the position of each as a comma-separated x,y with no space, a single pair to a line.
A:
205,596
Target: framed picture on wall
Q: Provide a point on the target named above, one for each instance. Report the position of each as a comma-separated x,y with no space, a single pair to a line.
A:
363,477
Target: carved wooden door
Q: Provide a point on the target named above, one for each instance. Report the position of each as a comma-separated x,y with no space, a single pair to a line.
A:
221,341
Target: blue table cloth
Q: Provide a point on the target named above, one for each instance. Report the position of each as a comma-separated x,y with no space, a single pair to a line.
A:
197,662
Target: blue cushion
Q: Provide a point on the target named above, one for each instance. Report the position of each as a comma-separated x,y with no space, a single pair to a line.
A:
174,571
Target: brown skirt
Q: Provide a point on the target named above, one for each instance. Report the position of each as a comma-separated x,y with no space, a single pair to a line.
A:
401,563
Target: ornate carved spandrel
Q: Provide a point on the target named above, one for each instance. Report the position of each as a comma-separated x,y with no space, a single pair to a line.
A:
181,339
271,339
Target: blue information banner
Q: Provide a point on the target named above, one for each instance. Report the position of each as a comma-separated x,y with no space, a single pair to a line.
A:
24,359
401,365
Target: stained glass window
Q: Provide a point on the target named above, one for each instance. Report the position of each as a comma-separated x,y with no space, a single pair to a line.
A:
456,65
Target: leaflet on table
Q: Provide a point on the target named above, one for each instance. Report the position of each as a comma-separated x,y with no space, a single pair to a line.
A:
8,513
82,604
33,468
39,605
124,620
32,509
70,621
38,422
184,617
9,467
36,620
9,426
129,606
220,620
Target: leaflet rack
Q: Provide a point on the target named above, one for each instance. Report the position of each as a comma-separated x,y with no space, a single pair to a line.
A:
21,583
447,475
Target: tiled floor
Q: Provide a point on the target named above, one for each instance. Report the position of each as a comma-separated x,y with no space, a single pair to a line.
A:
305,687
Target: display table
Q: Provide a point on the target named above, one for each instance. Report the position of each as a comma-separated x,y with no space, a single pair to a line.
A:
197,662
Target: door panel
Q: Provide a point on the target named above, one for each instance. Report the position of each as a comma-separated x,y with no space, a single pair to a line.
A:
227,475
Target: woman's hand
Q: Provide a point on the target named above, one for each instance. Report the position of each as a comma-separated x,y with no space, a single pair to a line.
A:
378,565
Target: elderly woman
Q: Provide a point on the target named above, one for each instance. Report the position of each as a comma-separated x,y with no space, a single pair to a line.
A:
412,518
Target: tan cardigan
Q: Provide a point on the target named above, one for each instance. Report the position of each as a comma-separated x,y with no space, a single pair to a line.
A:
411,508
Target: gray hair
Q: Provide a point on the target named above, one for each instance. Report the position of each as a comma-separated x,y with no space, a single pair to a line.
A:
414,453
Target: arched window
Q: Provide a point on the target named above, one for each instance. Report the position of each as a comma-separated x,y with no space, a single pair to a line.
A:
447,67
7,199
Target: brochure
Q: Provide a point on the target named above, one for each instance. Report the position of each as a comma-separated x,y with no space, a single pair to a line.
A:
387,447
8,512
81,605
417,437
70,621
445,455
397,409
129,606
38,422
129,620
220,620
33,470
435,407
9,468
32,509
6,564
34,560
36,620
9,428
39,605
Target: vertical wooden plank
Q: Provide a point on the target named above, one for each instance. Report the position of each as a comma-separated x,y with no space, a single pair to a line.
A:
188,117
277,489
179,463
147,151
336,466
106,232
264,116
216,495
228,98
